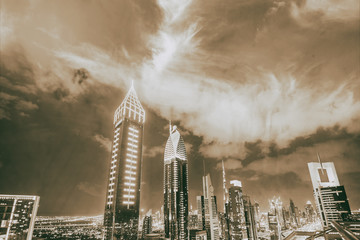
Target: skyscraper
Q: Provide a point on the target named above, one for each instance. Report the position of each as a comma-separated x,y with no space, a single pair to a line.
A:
17,216
175,187
201,211
123,192
249,212
293,214
224,218
147,226
330,196
236,212
309,211
211,215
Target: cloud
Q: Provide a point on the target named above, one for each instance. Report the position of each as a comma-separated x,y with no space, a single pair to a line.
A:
154,151
94,190
333,10
80,75
104,142
22,105
230,164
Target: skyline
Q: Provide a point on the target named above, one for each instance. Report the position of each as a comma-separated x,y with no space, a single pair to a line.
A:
223,73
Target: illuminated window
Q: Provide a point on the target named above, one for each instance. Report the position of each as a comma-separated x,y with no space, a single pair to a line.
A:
129,196
130,166
130,172
130,178
129,184
131,155
131,161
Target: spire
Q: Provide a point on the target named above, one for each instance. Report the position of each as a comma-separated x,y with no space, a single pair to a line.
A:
318,156
225,192
169,126
130,108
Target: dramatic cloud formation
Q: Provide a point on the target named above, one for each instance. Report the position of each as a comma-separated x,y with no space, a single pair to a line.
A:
263,85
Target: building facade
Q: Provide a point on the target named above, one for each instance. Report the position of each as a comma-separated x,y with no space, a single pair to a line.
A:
175,187
17,216
211,214
330,196
123,190
250,220
147,226
237,229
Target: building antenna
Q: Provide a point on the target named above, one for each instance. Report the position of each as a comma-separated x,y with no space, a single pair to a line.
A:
318,156
204,166
224,186
170,127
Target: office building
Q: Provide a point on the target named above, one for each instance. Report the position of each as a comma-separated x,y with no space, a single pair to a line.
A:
196,234
201,212
211,215
309,212
250,221
147,226
293,214
17,216
237,230
123,189
330,196
175,187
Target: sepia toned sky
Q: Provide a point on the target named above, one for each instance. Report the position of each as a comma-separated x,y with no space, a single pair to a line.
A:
261,84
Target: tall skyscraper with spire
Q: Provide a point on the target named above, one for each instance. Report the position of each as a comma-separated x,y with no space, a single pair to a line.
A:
123,190
175,187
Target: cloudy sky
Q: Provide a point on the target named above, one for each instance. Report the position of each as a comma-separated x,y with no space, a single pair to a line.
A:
261,84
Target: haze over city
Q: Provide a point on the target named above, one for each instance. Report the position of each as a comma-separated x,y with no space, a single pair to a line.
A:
264,86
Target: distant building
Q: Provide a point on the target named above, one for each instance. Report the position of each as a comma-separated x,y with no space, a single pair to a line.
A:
194,222
330,196
196,234
276,218
17,216
249,211
237,229
293,214
200,204
224,217
147,226
309,212
175,187
211,214
123,190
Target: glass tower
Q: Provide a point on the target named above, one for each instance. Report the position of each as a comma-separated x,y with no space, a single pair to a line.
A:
175,187
17,216
123,190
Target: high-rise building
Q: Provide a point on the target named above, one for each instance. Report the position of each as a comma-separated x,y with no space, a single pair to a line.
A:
17,216
123,190
211,215
237,230
175,187
249,211
293,214
276,218
224,218
201,212
309,212
330,196
147,226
